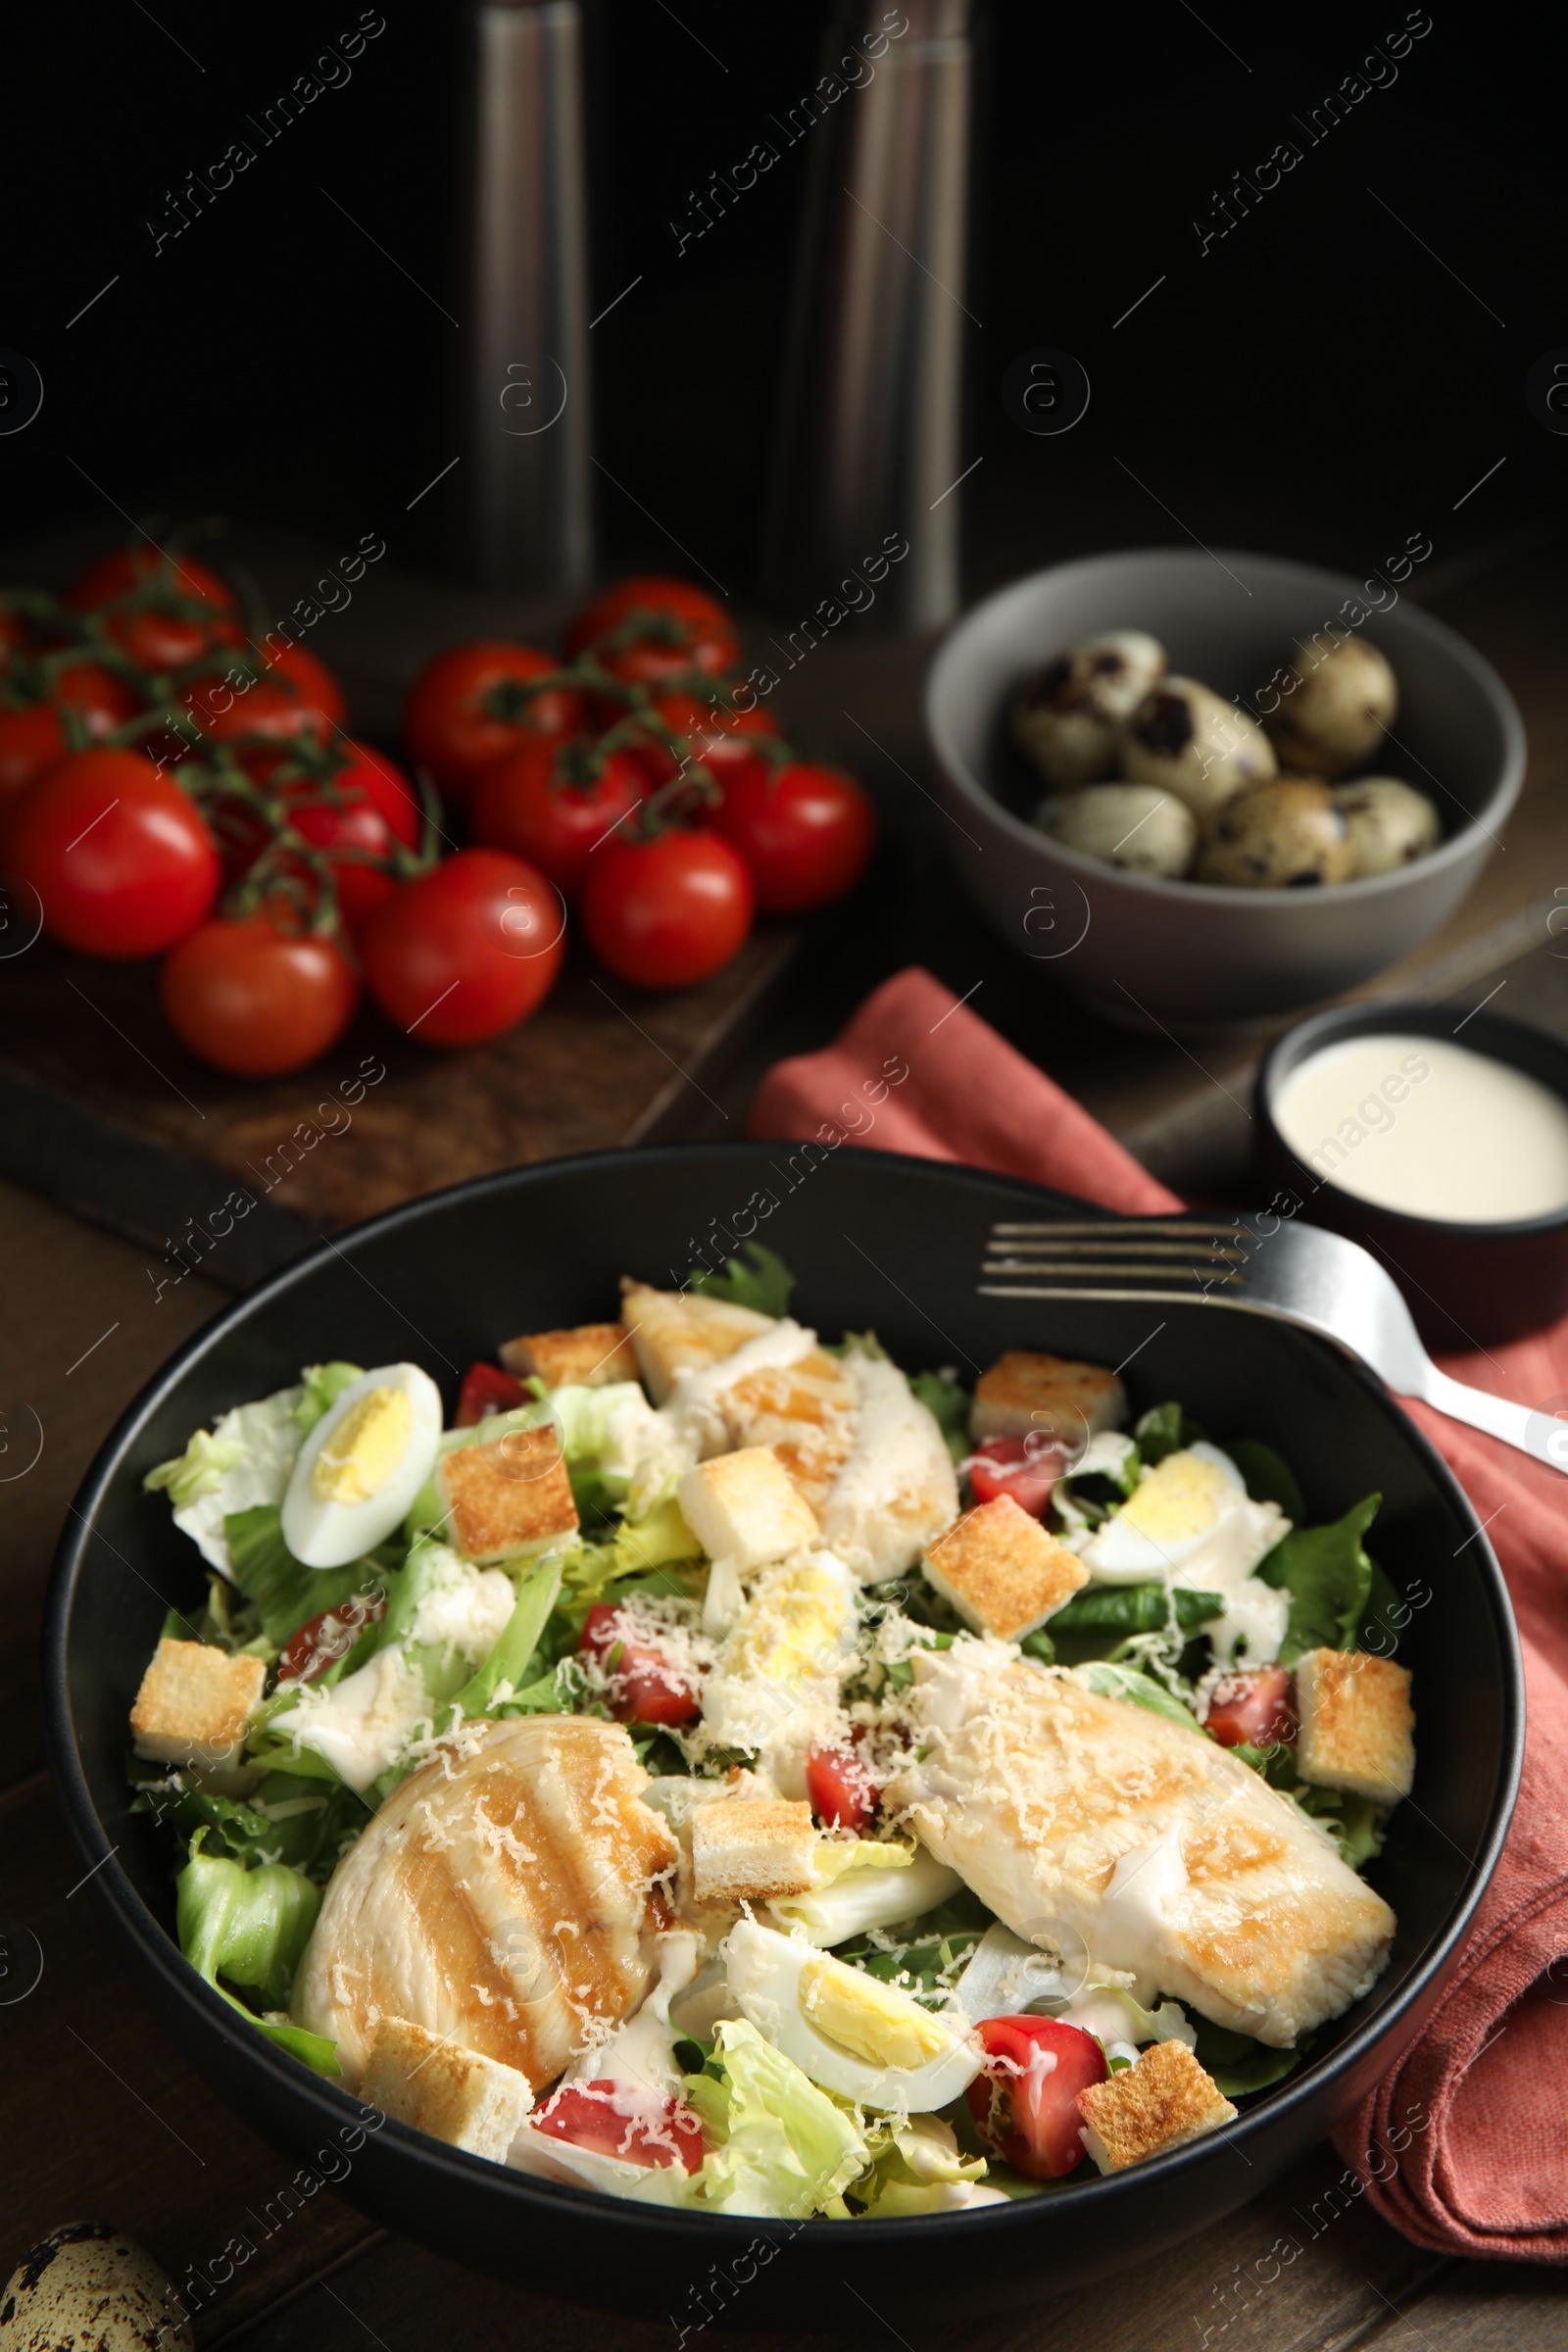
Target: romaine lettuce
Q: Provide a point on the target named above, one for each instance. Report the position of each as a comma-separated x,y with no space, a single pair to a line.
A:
242,1463
785,2148
252,1927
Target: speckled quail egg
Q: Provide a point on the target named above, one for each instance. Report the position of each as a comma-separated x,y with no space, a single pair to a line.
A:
1390,823
1133,825
1189,741
1283,835
89,2284
1069,715
1335,718
361,1466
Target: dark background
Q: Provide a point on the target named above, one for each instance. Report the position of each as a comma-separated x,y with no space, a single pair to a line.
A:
1319,383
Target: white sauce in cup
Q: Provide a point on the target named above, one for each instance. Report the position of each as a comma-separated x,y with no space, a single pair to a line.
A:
1429,1127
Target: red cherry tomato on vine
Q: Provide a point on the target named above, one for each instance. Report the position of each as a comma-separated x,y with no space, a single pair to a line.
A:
130,568
466,951
158,634
227,707
667,912
526,802
367,810
650,628
309,680
32,740
805,833
256,997
120,857
724,740
841,1791
1253,1708
1024,2101
471,705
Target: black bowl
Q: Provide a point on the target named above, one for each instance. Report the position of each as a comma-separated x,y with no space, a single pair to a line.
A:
879,1241
1468,1285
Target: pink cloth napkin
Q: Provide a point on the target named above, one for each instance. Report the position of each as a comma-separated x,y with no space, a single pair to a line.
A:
1464,2145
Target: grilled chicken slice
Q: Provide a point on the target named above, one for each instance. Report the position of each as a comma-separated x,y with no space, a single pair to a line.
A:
1097,1828
858,1447
507,1896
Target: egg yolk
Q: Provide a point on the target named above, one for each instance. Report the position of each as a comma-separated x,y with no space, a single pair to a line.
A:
1178,1499
792,1628
365,1448
862,2017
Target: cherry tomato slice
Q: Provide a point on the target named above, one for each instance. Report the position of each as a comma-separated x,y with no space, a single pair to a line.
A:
487,1389
327,1637
1026,1468
1024,2100
1255,1708
643,1686
841,1791
621,2119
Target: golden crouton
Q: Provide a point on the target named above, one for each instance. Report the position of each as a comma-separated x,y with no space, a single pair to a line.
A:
194,1703
1003,1573
590,1356
741,1507
1147,2108
752,1849
431,2084
1357,1724
676,1332
1024,1392
506,1498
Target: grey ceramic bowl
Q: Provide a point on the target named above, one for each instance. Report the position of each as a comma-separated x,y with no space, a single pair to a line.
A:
1189,953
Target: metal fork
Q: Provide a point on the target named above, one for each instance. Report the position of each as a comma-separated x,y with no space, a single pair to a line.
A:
1296,1273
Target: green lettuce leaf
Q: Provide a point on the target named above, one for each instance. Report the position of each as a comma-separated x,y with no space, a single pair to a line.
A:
196,1472
508,1661
289,1818
1133,1609
1165,1429
1114,1681
1240,2065
1328,1575
1268,1478
942,1393
757,1278
1354,1823
251,1926
325,1383
786,2149
287,1594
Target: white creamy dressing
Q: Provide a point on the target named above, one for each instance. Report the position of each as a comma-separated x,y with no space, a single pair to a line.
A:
1217,1559
694,1407
1429,1127
641,2051
895,1454
362,1724
465,1610
1130,1930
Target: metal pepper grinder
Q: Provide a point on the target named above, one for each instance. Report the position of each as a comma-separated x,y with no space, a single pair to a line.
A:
518,513
868,453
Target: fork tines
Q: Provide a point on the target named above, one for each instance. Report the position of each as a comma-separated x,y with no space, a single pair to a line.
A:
1180,1255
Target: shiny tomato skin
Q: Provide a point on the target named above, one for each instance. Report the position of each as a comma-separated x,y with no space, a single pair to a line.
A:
256,998
724,739
158,635
839,1788
130,567
450,726
228,710
376,811
1026,1468
487,1389
605,2115
1253,1708
651,628
1024,2100
806,832
667,913
327,1637
642,1687
309,680
466,951
524,803
120,857
34,740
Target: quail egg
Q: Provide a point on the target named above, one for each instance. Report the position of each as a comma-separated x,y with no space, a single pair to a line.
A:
849,2032
1283,835
89,2284
1069,715
1133,825
1189,741
361,1466
1338,713
1390,823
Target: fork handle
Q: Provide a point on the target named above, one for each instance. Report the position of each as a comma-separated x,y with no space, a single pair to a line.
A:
1534,1432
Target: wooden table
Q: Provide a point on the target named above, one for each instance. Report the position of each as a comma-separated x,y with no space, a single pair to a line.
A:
101,2117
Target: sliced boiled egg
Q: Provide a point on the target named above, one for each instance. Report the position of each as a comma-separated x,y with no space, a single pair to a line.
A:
1183,1505
783,1652
361,1465
847,2031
